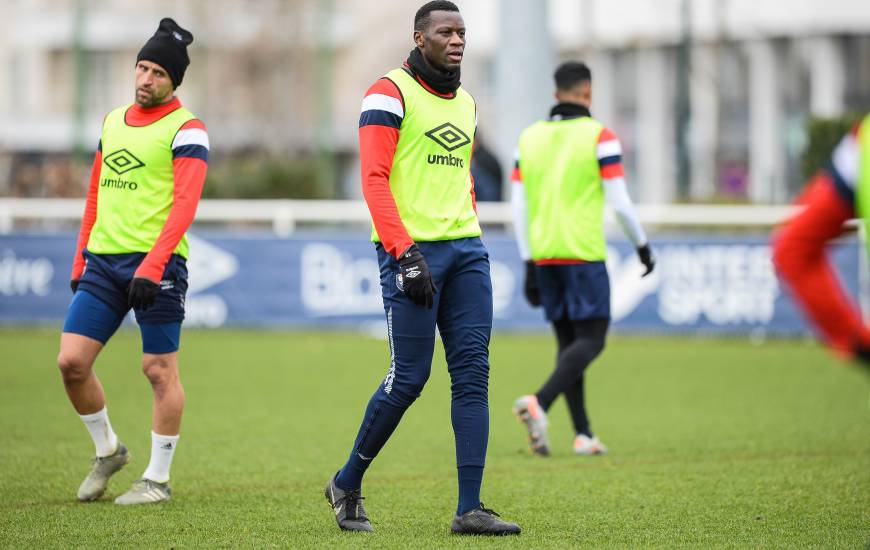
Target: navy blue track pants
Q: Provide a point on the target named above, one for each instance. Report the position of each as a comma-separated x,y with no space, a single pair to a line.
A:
462,313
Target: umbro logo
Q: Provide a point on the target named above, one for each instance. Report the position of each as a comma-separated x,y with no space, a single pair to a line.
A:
448,136
122,161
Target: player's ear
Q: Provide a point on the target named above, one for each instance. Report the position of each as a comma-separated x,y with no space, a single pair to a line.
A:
418,38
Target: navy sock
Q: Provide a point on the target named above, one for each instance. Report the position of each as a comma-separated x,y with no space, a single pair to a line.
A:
350,476
379,422
470,478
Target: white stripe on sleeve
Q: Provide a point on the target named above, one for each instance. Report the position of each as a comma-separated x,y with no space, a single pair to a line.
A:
845,160
609,148
381,102
195,136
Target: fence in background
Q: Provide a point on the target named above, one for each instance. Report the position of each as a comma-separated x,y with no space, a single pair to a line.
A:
285,215
302,275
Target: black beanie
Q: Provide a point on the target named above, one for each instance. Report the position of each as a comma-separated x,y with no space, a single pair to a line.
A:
168,48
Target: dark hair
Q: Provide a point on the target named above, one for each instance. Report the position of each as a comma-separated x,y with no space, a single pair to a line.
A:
571,73
421,19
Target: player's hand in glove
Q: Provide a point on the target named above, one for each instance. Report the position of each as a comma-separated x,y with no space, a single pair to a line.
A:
141,293
74,285
862,356
644,253
417,283
530,287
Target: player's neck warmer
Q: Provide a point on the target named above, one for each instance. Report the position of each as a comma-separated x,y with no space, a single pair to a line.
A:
564,111
443,82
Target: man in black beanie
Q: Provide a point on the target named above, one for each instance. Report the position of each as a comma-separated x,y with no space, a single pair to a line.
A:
147,178
168,49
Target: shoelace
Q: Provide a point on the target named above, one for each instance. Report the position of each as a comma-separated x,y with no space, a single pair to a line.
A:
486,510
97,460
147,484
353,502
141,484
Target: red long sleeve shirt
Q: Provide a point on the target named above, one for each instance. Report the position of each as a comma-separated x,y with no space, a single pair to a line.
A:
800,257
381,115
189,163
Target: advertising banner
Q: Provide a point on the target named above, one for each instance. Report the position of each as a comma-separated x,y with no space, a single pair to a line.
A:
711,285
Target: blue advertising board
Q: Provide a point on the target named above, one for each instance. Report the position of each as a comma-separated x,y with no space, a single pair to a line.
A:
715,285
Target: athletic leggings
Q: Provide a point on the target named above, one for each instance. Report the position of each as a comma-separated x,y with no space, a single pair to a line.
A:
580,342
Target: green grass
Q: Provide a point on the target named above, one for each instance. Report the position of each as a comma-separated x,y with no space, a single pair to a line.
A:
713,443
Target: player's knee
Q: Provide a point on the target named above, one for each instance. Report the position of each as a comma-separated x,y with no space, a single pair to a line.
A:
403,393
595,349
407,394
416,388
400,399
471,369
73,368
471,383
160,371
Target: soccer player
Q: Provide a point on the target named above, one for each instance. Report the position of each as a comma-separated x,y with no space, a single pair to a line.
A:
416,129
834,195
145,184
566,167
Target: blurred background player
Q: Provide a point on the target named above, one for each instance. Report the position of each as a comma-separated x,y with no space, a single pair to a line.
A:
145,184
565,168
486,172
415,133
836,194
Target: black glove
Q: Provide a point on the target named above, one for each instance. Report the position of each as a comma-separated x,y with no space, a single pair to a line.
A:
530,287
862,356
646,258
74,285
417,283
141,293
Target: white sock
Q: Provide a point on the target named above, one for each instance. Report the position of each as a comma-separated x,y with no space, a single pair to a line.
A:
162,449
101,432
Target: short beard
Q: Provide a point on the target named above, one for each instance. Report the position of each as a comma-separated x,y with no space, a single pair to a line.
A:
154,102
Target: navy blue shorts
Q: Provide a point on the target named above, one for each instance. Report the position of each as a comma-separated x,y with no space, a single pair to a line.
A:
108,275
575,292
92,317
100,304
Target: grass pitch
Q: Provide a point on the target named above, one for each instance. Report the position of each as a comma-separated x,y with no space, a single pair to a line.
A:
713,443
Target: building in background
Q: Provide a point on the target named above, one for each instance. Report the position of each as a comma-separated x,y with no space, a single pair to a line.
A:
710,97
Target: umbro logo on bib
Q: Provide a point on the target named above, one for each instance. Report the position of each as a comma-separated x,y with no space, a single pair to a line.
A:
448,136
122,161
